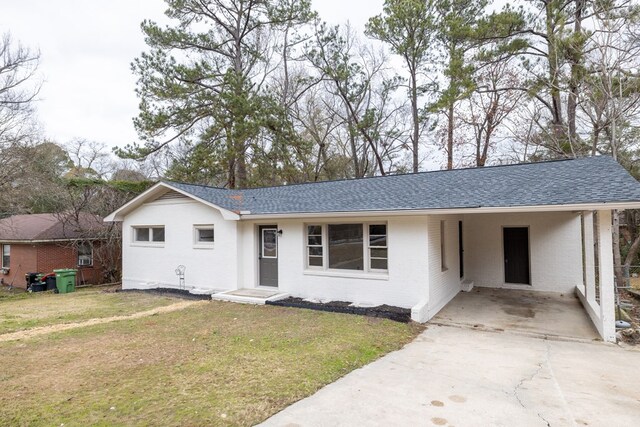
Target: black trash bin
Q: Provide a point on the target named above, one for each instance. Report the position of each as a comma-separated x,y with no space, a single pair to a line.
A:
31,278
50,282
38,287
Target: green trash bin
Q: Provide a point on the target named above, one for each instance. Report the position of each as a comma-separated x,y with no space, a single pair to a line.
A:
66,280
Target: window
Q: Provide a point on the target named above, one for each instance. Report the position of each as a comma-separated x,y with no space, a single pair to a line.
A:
346,246
342,247
85,253
378,246
443,258
314,246
148,234
6,256
204,234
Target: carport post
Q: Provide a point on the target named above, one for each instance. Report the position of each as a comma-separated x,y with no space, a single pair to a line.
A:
606,275
589,257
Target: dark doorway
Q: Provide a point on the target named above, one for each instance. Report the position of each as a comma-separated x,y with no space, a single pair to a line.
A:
516,255
268,255
460,249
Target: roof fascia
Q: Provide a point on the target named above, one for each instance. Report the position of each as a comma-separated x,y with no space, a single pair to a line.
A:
450,211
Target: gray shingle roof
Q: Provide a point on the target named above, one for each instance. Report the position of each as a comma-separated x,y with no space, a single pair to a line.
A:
586,180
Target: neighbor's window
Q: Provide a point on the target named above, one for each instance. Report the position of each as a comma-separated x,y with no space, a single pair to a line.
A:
443,260
148,234
6,256
314,246
378,246
85,253
204,234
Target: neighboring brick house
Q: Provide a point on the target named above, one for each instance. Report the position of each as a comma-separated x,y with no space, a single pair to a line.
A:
44,242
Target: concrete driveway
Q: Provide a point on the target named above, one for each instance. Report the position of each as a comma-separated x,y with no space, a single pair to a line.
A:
454,376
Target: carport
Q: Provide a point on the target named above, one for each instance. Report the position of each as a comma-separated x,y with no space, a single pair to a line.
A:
544,270
547,314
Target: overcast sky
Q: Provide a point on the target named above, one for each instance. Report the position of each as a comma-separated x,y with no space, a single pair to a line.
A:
86,49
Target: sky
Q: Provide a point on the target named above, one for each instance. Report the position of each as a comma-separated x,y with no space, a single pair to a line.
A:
86,48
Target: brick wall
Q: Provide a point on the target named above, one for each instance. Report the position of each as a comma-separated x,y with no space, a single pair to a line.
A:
23,260
55,256
44,258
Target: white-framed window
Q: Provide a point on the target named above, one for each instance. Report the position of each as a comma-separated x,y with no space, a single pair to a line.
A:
342,247
315,251
148,234
6,256
203,235
443,249
378,251
85,254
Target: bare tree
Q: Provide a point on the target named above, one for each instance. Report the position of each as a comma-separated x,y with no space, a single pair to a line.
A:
489,106
19,88
357,78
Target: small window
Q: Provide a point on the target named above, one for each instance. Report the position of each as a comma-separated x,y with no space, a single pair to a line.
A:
6,256
314,246
378,246
148,234
443,258
85,254
204,234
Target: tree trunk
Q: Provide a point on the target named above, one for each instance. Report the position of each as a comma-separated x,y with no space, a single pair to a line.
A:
617,264
241,165
553,59
633,251
574,80
450,137
416,124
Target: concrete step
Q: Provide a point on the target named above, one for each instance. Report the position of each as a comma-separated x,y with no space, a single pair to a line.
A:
249,296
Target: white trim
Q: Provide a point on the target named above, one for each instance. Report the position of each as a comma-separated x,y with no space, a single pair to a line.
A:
197,244
448,211
119,214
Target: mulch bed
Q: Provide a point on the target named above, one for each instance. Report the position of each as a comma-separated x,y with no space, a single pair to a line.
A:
172,292
385,311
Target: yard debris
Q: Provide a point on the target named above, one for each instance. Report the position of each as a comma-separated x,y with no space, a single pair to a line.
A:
630,335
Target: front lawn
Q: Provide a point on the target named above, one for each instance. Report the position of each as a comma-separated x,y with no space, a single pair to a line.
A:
28,310
213,363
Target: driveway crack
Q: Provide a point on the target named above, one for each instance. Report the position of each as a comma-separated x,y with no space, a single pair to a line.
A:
530,378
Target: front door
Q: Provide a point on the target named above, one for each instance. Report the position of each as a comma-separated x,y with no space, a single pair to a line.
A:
268,255
516,255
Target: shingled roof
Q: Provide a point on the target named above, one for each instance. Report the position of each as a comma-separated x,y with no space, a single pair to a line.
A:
49,226
562,182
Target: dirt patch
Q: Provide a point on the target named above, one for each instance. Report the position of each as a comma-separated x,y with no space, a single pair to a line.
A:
66,326
385,311
172,292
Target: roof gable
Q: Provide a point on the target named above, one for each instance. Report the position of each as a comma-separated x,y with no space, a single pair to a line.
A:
171,190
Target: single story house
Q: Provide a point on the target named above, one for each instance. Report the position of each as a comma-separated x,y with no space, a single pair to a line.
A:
40,243
413,241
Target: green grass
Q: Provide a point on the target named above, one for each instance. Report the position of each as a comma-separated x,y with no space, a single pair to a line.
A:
210,364
29,310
